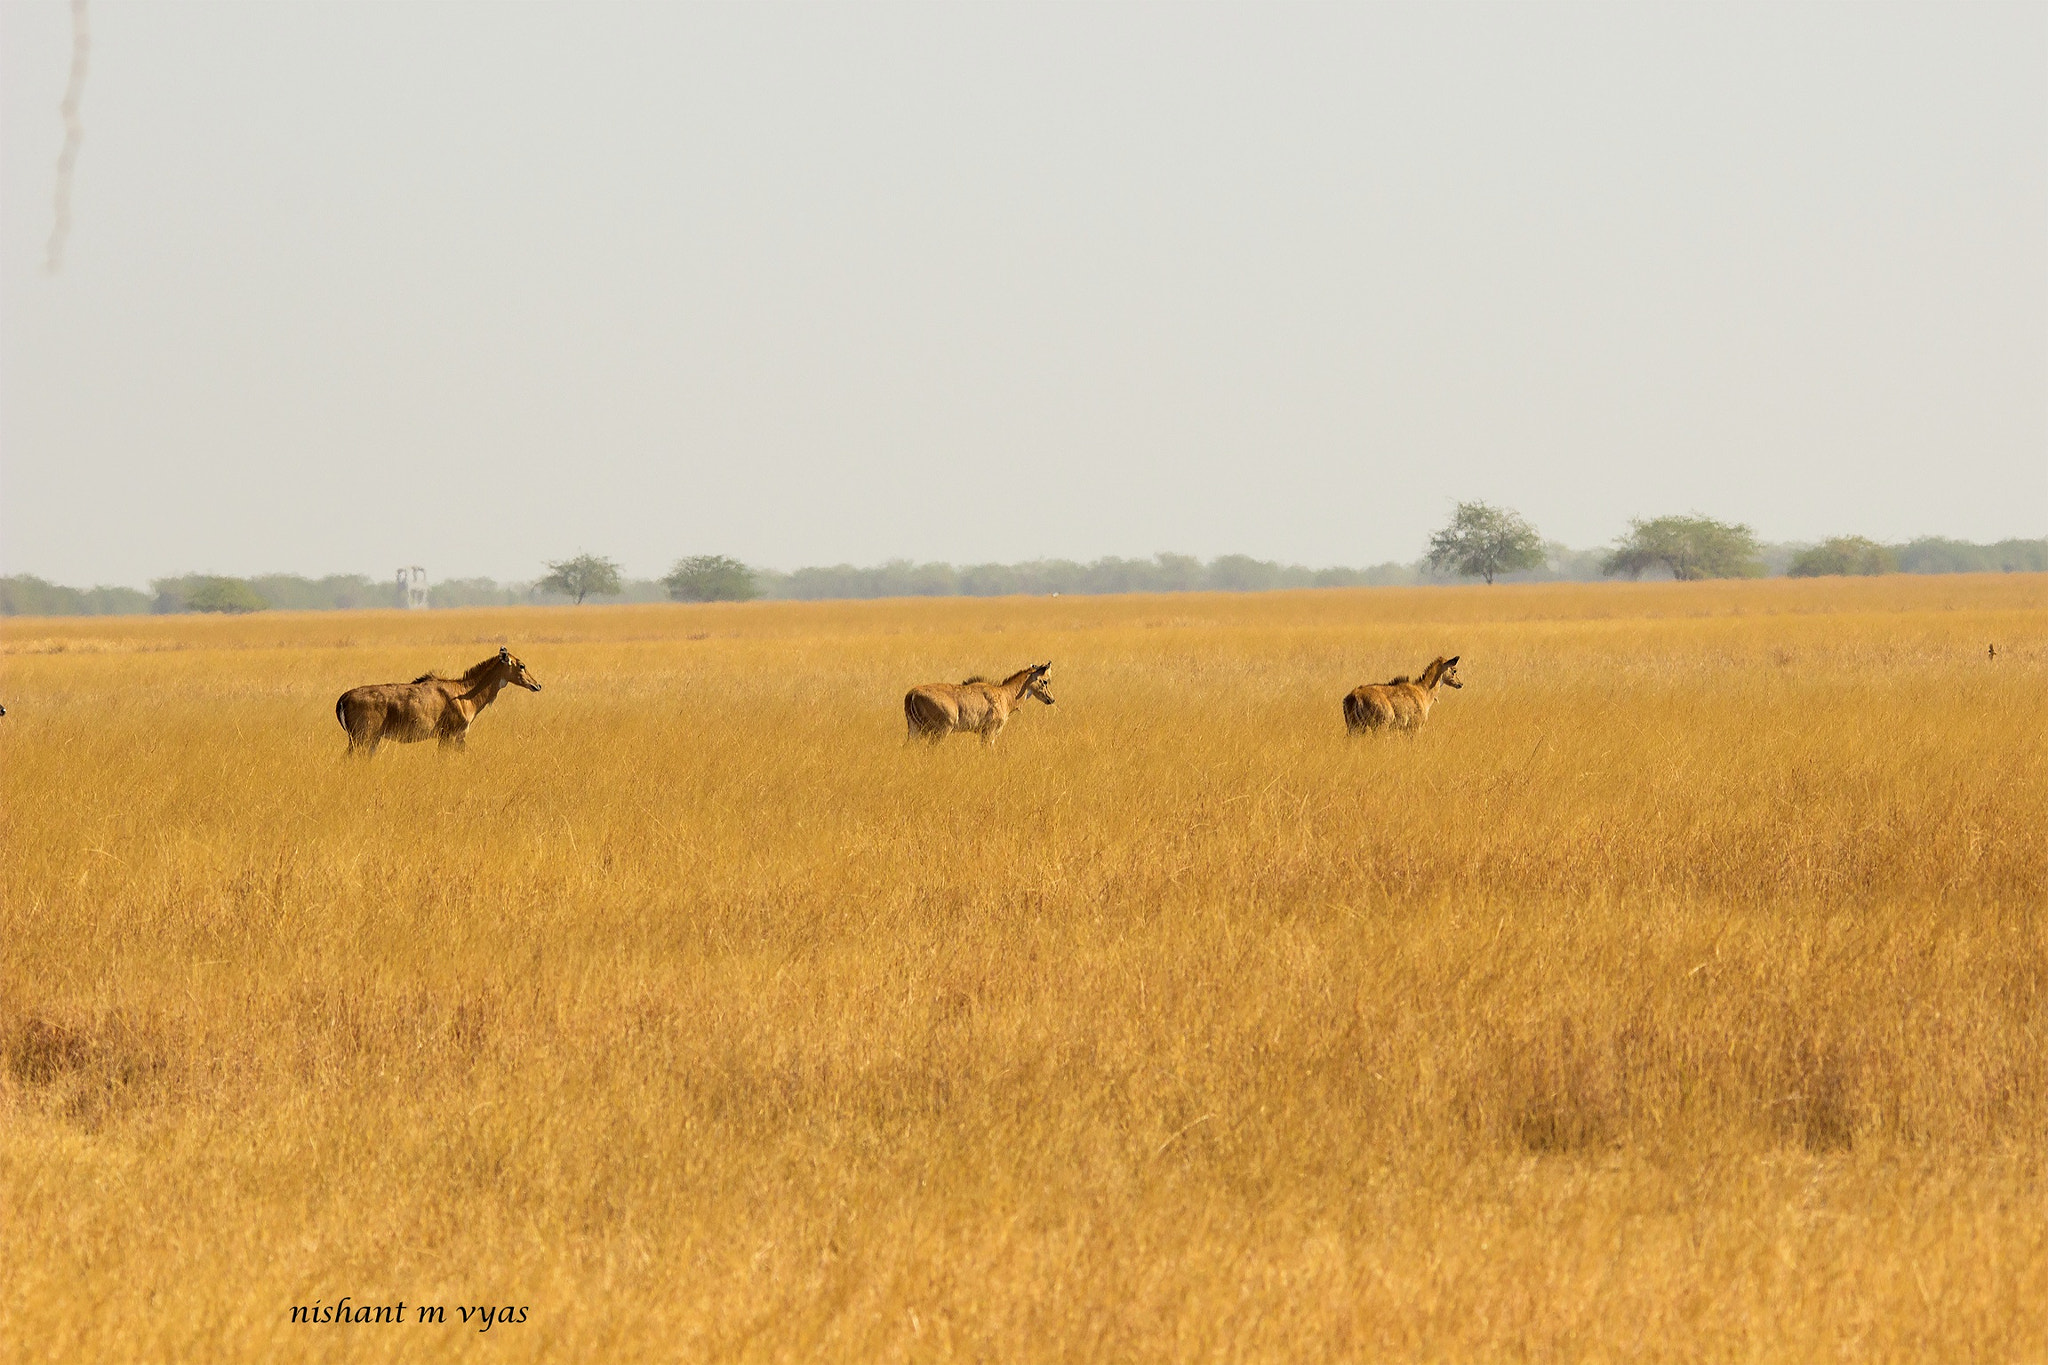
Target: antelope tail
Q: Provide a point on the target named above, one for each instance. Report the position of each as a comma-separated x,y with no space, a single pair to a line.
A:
339,714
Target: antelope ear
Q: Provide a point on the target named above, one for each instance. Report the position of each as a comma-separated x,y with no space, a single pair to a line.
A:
504,653
1448,662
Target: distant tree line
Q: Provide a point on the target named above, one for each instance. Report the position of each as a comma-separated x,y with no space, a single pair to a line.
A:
1933,555
1161,573
1481,542
27,595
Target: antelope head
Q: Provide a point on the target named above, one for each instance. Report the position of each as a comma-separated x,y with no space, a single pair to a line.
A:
1040,674
1448,673
515,672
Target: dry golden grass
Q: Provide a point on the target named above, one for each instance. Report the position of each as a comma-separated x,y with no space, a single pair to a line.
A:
1680,992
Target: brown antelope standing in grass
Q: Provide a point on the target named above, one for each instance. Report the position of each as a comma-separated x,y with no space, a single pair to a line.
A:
977,706
428,707
1402,704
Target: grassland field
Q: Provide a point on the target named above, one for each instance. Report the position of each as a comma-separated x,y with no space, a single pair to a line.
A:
1679,992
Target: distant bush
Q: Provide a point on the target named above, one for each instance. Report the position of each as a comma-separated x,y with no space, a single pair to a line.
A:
230,595
1844,556
897,578
172,595
488,592
1242,573
1161,573
990,580
1688,548
1561,563
477,592
1387,575
710,578
1174,573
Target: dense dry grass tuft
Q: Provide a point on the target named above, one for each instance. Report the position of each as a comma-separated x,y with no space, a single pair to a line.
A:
1680,992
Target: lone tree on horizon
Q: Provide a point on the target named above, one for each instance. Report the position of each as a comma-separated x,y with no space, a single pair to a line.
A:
1691,548
581,576
711,578
231,595
1484,541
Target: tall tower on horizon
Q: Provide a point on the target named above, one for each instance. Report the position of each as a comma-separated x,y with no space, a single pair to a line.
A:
412,587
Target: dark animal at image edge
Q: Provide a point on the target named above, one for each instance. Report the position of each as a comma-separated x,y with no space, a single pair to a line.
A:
428,707
976,706
1403,703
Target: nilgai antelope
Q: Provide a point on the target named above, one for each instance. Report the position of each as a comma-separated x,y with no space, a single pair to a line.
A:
428,707
1402,704
978,706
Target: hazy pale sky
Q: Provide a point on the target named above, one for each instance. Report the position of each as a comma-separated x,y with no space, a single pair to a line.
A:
351,286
